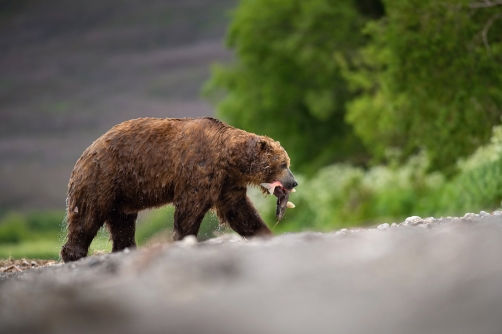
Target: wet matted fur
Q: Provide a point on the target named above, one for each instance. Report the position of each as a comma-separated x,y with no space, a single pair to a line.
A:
197,164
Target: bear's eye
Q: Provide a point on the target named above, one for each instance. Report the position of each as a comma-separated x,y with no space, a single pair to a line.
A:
284,166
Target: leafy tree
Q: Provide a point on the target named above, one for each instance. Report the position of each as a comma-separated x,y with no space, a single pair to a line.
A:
424,75
286,81
430,78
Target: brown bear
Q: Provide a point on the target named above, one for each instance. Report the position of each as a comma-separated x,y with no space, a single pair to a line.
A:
197,164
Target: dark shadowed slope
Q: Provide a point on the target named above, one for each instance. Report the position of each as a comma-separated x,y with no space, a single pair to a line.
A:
69,70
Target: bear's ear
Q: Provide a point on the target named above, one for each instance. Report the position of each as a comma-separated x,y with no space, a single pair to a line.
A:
262,145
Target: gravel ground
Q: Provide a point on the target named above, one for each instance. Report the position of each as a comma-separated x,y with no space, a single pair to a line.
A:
420,276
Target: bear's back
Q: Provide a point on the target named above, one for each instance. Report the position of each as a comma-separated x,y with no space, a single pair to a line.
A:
149,158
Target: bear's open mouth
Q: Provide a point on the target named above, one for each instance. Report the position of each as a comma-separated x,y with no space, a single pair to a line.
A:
282,195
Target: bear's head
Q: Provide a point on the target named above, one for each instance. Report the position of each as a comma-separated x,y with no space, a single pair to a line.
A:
268,163
263,162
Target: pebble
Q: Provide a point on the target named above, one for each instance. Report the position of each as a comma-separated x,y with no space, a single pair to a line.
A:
412,221
469,215
484,214
393,225
429,220
189,240
383,227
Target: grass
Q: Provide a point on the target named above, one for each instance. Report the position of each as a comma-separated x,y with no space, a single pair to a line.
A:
40,235
48,246
41,249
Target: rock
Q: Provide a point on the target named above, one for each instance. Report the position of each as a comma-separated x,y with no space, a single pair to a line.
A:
383,227
429,220
412,221
484,214
342,231
188,241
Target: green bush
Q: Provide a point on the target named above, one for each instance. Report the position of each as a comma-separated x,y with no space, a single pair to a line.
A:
343,196
287,82
13,229
427,79
478,186
45,220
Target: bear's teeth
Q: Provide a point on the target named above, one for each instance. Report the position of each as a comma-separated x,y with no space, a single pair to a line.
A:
290,205
269,186
293,190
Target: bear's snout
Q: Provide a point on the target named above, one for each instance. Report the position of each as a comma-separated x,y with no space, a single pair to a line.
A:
289,181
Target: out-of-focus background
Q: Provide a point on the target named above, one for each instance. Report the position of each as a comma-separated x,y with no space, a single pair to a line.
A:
387,109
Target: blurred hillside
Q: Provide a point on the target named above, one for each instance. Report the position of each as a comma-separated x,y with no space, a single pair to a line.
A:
69,70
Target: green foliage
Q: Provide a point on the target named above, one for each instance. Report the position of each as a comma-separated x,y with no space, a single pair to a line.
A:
286,82
418,81
478,186
344,196
43,221
429,79
470,191
409,75
13,229
31,235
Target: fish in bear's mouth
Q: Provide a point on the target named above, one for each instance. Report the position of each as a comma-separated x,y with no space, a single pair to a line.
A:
282,195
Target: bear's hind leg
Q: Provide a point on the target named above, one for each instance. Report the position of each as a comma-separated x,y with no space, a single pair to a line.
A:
81,230
122,228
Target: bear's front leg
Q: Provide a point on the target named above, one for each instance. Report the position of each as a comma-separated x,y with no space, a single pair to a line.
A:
187,219
236,208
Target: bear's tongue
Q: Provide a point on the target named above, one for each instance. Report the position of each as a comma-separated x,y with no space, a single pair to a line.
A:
282,195
275,188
